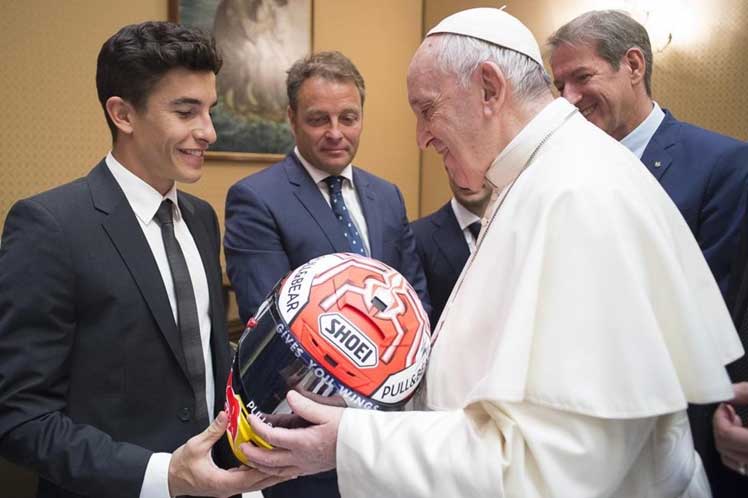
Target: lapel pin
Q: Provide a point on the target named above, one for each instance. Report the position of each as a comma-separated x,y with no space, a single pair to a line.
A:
658,164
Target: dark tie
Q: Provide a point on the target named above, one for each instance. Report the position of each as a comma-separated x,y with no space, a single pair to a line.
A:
187,320
335,186
474,228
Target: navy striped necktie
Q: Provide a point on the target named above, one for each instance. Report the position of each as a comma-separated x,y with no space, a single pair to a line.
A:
350,231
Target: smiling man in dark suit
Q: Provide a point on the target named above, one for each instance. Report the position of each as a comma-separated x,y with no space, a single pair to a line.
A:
314,202
112,330
602,63
445,239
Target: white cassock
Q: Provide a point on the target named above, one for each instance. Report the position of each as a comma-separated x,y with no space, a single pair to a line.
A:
580,329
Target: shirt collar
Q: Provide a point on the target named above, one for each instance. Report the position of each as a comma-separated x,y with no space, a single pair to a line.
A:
512,160
317,174
144,199
637,140
464,216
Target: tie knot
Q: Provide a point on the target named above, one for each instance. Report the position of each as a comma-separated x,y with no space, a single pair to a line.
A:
334,184
163,215
474,228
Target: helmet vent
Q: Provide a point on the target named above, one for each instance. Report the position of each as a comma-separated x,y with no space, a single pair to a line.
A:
378,304
330,360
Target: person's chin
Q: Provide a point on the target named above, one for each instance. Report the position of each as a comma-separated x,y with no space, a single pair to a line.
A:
336,161
190,175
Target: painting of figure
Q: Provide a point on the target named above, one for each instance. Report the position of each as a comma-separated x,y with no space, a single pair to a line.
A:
258,40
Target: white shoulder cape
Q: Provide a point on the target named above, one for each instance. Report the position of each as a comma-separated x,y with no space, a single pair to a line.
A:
587,293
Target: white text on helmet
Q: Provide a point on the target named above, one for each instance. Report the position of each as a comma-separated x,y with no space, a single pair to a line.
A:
348,339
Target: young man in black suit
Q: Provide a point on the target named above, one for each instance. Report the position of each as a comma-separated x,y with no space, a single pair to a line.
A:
112,327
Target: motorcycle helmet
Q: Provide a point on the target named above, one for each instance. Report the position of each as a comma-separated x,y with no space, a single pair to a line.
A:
342,329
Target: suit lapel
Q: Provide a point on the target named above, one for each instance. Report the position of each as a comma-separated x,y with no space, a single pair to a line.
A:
367,198
125,233
449,238
308,194
208,256
658,155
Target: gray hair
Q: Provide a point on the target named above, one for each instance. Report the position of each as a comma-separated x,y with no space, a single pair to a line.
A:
461,55
611,33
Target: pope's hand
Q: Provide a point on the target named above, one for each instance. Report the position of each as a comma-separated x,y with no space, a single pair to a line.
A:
300,451
730,436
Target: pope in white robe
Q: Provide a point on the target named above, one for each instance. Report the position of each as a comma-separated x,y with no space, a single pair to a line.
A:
581,327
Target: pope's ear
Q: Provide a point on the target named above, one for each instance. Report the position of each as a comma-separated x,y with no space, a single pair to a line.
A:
121,113
493,85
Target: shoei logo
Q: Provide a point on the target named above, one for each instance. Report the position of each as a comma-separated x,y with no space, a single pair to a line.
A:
349,340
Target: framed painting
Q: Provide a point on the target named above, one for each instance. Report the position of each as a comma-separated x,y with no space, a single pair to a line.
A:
258,40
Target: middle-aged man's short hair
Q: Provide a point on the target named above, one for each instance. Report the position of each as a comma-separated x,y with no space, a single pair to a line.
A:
461,56
331,66
611,33
134,59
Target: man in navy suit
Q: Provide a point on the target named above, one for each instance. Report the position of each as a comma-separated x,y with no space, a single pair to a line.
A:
602,63
112,330
445,239
314,202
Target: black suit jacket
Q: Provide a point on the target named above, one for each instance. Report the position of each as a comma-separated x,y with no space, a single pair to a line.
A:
92,377
443,251
705,175
277,220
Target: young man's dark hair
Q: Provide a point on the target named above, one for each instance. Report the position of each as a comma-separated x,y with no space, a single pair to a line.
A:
135,58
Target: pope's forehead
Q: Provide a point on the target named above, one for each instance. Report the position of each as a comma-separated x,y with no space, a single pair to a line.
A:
424,60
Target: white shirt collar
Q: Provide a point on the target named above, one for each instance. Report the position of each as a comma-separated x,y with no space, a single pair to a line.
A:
317,174
510,161
144,199
464,216
637,140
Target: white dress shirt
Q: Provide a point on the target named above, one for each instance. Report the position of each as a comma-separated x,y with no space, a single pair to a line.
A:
145,201
637,140
465,218
349,195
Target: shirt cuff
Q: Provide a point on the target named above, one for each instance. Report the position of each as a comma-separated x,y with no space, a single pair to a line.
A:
156,478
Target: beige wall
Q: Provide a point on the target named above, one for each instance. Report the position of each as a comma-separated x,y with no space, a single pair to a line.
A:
702,77
51,125
53,129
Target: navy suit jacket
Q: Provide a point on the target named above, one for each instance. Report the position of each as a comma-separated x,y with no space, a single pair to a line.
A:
277,220
443,251
93,379
704,173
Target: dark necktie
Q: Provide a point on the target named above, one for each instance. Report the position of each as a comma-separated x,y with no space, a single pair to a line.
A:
335,186
474,228
187,320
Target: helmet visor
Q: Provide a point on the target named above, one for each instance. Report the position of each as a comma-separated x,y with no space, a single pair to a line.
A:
270,361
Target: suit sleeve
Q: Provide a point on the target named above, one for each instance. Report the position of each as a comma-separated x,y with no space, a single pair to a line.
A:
490,450
37,337
255,256
723,212
410,263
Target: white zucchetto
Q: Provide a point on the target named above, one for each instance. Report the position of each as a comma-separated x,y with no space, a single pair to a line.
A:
493,26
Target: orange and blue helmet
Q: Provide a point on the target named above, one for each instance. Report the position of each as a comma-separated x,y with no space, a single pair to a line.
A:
341,329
